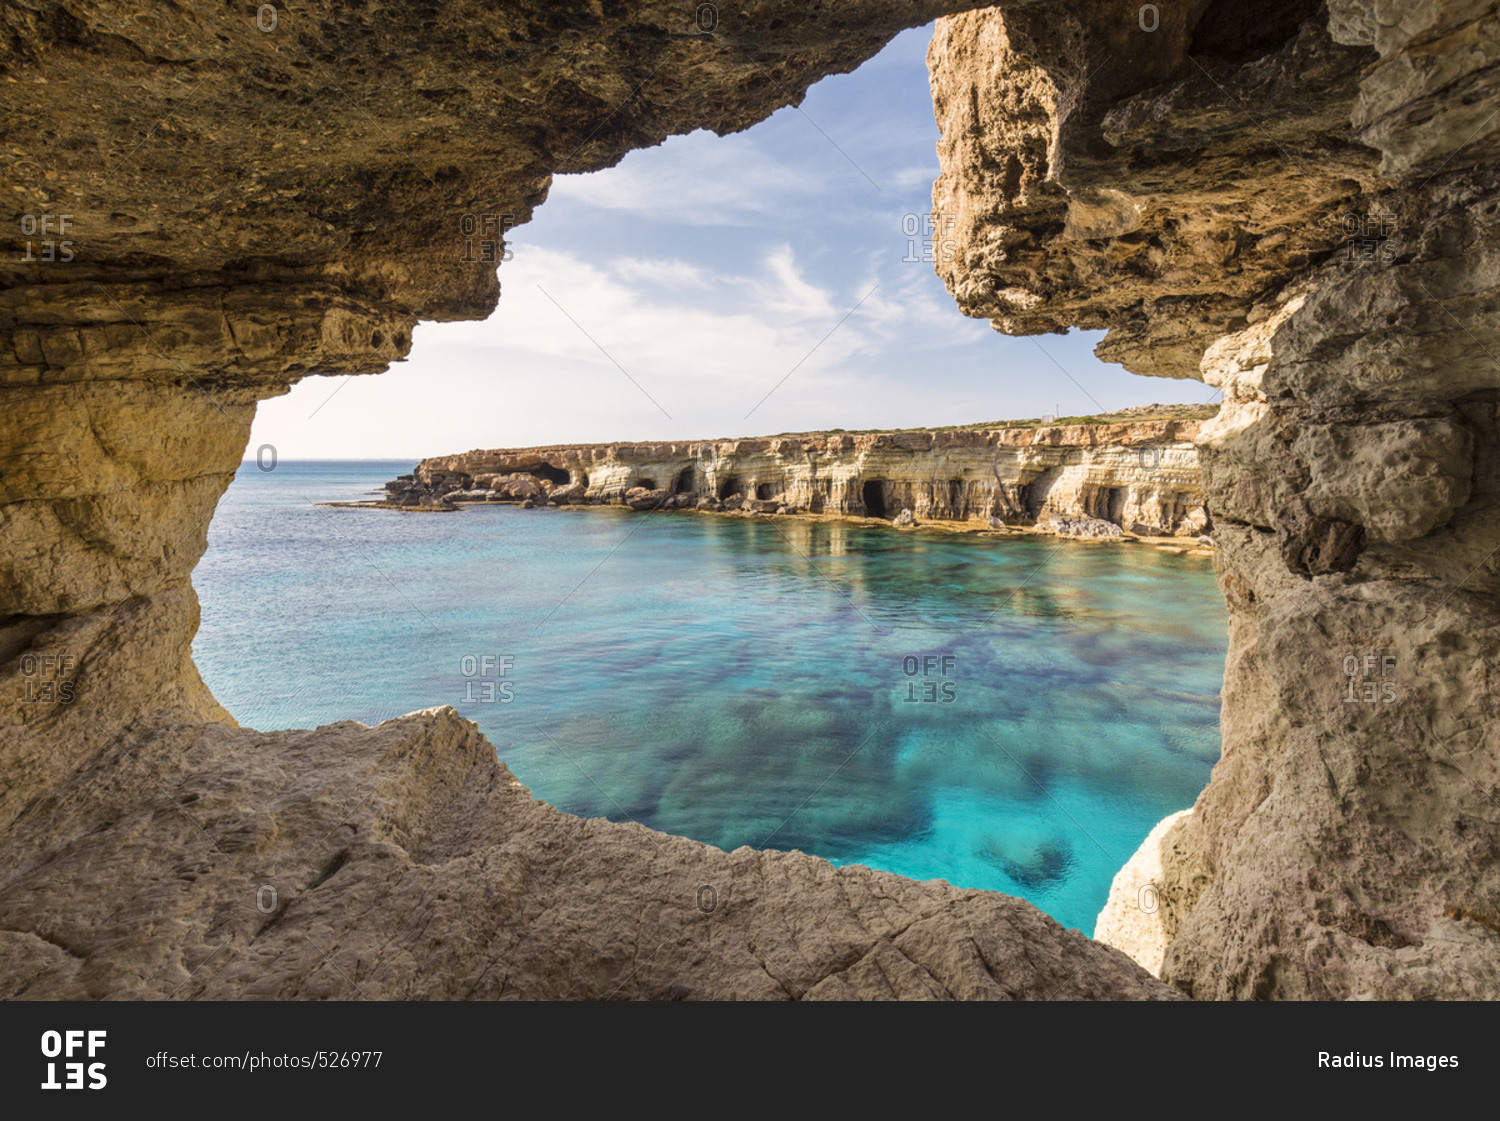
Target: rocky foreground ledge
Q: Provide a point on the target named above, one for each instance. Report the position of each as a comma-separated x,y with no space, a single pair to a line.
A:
1136,476
404,862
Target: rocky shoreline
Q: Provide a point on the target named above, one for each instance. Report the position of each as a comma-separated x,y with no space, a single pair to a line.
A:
1133,480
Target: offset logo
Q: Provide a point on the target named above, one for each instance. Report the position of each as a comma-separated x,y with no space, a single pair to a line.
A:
937,671
74,1046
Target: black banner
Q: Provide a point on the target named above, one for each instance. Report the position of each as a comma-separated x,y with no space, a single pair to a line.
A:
75,1059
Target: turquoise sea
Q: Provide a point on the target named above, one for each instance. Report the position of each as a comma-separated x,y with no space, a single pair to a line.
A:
1005,714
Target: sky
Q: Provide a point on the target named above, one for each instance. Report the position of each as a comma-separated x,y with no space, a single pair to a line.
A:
770,281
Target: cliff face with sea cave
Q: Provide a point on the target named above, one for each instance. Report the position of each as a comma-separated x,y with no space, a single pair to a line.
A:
1143,477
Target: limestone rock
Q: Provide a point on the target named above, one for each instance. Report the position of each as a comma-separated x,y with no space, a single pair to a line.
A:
1142,472
515,487
1100,175
1302,209
639,498
1084,527
1134,920
404,862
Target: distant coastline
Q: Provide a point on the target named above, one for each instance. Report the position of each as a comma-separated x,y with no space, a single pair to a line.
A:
1132,475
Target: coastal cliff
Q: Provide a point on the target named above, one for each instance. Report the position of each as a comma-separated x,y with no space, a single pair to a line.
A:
1142,476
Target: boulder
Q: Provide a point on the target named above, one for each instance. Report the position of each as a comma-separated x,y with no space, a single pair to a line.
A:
1193,524
1067,526
639,498
905,518
513,487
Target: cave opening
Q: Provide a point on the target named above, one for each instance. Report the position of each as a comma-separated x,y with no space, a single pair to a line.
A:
1035,493
873,492
1113,506
1115,503
1236,32
554,475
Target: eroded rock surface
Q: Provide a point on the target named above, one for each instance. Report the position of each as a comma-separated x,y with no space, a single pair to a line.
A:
1142,476
1301,207
1135,918
405,862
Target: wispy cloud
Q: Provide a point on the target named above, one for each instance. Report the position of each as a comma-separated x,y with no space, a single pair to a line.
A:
708,181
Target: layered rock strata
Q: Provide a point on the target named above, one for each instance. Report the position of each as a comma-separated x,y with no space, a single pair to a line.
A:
1141,476
1301,206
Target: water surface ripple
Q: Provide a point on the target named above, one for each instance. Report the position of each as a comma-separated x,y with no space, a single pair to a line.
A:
1012,715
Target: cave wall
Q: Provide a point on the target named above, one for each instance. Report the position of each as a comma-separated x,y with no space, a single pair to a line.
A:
1310,225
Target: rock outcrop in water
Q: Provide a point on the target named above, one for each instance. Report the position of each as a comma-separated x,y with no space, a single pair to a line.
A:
1141,476
1297,203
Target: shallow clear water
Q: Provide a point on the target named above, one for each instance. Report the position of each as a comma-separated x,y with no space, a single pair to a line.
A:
744,682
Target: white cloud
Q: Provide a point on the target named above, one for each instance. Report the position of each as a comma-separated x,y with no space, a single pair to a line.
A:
662,273
913,179
694,180
579,351
786,294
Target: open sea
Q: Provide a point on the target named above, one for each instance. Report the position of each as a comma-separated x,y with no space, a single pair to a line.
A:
1004,714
